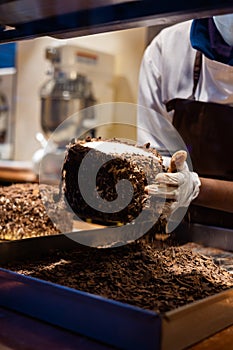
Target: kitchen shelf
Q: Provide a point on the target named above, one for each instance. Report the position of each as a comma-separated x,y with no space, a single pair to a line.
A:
24,19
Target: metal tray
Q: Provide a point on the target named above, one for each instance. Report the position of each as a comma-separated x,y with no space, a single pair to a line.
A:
104,320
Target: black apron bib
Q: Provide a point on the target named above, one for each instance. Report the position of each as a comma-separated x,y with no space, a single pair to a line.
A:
207,130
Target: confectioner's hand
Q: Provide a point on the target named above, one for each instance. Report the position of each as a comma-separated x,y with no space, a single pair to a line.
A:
179,185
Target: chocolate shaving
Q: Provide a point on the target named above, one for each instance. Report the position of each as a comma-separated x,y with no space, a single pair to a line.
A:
136,168
23,214
138,274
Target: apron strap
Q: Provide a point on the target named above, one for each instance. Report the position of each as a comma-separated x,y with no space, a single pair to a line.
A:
196,73
170,105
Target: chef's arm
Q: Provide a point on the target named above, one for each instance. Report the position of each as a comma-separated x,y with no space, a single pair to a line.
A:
215,194
185,187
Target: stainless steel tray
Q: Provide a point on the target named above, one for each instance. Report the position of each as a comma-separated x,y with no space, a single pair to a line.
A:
107,321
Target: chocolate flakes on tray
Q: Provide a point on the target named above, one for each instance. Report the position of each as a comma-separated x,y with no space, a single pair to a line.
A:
138,274
23,214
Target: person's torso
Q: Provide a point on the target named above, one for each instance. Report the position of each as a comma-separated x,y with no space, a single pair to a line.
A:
216,79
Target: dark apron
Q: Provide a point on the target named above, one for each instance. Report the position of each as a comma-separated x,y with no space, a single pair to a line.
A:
207,130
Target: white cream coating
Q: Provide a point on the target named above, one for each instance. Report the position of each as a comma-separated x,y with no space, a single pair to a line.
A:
110,147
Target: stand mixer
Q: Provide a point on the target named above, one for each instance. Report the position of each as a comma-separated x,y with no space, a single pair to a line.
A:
65,93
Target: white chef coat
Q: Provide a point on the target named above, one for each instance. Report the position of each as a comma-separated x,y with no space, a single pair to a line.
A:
167,72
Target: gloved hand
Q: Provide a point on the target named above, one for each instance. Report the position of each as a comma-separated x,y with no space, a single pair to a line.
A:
179,185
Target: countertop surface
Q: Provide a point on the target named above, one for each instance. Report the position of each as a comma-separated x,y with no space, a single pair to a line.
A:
16,171
220,341
19,332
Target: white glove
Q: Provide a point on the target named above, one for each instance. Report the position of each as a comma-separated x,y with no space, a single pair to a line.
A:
181,187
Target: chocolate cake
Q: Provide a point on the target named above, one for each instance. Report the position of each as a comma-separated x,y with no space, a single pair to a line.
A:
92,170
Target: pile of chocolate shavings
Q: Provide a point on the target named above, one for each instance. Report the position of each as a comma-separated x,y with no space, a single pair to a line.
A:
24,215
138,274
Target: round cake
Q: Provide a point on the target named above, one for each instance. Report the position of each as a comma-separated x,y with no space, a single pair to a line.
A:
92,172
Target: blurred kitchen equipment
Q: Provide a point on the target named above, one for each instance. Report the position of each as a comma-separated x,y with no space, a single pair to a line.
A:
4,111
7,119
66,92
80,78
8,75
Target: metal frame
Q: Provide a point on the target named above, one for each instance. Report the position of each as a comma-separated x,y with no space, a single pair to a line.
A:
110,322
54,20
